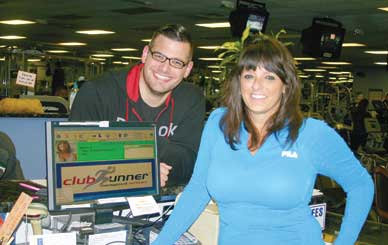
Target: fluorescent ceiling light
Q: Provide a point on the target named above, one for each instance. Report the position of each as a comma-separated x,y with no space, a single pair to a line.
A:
11,37
146,40
72,44
95,32
131,57
339,72
123,49
327,67
336,63
17,22
57,51
215,25
304,58
380,63
2,58
209,47
348,45
117,62
314,70
102,55
384,8
216,71
377,52
216,67
318,76
210,59
94,58
304,76
33,60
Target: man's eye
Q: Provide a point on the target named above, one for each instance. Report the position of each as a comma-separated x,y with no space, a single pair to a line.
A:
159,56
177,62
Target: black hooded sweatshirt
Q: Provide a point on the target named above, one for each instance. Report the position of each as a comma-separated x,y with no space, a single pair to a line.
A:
115,97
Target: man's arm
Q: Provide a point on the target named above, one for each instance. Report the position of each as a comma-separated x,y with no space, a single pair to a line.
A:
181,150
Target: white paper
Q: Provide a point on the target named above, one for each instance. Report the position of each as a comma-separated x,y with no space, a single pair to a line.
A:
108,237
26,79
111,200
143,205
55,238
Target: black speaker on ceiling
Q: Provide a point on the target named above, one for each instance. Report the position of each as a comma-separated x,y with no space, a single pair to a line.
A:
323,39
248,12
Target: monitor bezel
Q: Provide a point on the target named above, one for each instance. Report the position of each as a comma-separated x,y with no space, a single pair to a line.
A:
51,163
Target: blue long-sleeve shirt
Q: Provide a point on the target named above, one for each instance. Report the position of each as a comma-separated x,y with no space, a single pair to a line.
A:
263,198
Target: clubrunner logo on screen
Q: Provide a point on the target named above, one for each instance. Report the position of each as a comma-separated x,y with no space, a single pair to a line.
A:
106,177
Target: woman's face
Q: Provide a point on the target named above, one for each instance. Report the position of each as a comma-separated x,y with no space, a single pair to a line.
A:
261,92
63,146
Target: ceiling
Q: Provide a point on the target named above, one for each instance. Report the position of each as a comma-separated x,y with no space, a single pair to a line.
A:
134,20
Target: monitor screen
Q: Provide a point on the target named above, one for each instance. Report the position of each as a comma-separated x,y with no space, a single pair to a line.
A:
87,161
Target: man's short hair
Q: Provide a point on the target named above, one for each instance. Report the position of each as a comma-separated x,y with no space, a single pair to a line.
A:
174,32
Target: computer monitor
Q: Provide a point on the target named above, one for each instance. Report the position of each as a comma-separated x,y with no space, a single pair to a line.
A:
87,161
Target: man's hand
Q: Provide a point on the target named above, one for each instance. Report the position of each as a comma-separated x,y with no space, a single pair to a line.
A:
164,172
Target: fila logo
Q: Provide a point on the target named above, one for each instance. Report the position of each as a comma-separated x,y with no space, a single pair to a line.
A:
289,154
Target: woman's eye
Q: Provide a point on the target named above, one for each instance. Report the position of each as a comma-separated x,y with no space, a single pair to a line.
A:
248,76
270,77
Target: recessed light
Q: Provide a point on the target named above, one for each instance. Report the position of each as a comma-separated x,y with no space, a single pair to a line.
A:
336,63
304,58
131,57
215,25
123,49
348,45
209,47
94,58
12,37
57,51
314,70
95,32
102,55
377,52
72,44
17,22
216,67
210,59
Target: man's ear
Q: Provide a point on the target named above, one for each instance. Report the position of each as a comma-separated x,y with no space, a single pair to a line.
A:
145,53
188,69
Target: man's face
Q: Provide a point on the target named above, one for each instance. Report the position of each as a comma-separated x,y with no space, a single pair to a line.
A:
160,78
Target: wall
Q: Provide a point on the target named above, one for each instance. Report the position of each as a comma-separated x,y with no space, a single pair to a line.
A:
370,78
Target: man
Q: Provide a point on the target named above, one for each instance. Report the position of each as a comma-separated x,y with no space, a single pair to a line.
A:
9,165
153,91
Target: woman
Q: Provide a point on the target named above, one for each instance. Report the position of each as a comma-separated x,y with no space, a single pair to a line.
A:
64,152
259,159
